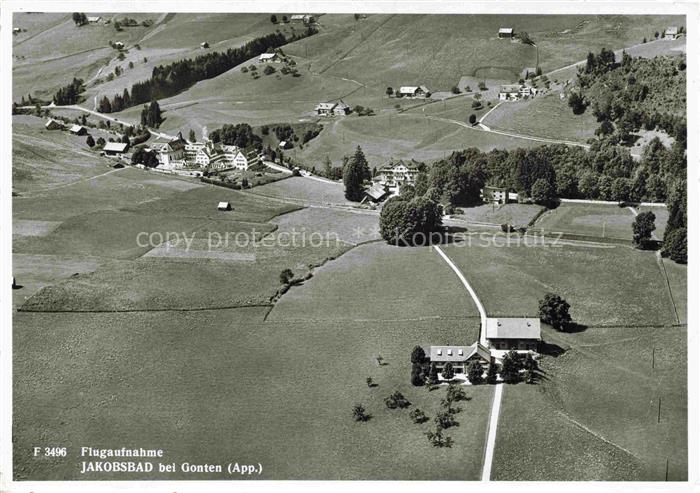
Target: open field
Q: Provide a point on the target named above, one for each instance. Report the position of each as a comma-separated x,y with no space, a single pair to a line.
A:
398,136
605,285
603,220
304,190
678,285
347,226
98,364
362,286
543,116
600,403
43,159
513,214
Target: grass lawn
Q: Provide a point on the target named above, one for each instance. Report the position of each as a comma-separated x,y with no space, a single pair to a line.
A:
42,159
206,385
609,221
347,226
362,286
606,286
543,116
678,283
514,214
600,402
304,190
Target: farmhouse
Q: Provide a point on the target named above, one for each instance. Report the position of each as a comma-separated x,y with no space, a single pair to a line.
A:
95,19
498,195
16,30
396,175
413,92
115,148
118,45
77,130
671,32
52,124
505,32
330,109
204,45
459,356
269,57
224,206
512,92
285,145
513,333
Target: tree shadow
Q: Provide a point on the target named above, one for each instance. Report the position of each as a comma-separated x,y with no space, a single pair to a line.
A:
549,349
574,328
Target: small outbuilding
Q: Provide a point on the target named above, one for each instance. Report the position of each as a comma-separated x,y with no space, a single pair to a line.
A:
285,145
115,148
78,130
204,45
505,32
94,19
269,58
52,124
118,45
224,206
671,32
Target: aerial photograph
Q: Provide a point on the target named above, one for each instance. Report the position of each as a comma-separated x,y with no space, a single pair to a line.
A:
348,246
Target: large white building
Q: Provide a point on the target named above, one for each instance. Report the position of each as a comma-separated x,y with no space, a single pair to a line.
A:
179,153
396,175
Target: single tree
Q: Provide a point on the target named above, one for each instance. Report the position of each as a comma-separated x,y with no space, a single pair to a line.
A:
417,355
418,416
455,90
90,141
448,372
286,276
554,310
389,91
359,413
643,227
492,373
475,373
328,168
542,191
472,119
273,19
396,401
445,420
511,367
455,393
101,141
192,136
355,172
433,374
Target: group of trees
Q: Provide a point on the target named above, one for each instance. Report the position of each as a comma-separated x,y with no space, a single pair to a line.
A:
79,18
554,310
151,115
69,94
240,135
633,93
141,156
675,245
168,80
409,220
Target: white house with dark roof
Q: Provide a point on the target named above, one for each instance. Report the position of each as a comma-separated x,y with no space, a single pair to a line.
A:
505,32
396,175
269,58
413,92
459,356
332,109
671,32
506,333
77,130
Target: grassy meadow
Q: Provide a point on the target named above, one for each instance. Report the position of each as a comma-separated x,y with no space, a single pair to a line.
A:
601,220
599,401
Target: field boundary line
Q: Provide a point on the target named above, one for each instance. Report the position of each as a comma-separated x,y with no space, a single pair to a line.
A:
145,310
599,437
660,261
493,428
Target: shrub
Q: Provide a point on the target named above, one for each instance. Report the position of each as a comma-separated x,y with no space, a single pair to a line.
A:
418,416
396,400
359,413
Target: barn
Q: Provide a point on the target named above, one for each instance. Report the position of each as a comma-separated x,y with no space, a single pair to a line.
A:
224,206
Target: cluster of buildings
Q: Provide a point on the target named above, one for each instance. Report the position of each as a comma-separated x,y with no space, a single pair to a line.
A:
502,335
179,153
498,195
390,179
413,92
512,92
332,109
